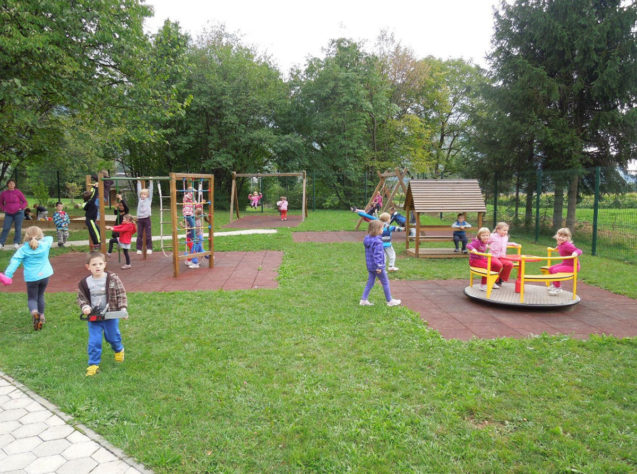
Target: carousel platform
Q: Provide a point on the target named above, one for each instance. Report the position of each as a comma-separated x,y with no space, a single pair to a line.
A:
535,296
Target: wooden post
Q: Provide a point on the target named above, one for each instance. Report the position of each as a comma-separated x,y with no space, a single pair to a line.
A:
407,224
211,223
304,204
173,217
233,194
417,238
100,196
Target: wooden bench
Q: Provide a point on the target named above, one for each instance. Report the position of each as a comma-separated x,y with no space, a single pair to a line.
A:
434,233
545,275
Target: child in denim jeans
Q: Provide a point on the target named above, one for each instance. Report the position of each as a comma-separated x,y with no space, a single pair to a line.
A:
61,220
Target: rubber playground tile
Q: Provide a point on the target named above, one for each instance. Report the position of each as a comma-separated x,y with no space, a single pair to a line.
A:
456,316
492,331
451,333
232,270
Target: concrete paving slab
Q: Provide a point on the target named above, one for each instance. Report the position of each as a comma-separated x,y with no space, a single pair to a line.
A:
36,437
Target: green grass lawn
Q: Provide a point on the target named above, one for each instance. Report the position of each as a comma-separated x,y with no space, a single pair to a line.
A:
301,378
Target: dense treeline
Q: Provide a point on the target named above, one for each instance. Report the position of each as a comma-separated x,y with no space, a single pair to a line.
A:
82,88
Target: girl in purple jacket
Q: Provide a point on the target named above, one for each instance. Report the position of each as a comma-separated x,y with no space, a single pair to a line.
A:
566,248
375,259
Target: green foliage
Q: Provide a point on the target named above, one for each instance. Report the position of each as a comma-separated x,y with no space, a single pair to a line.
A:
72,190
564,81
63,63
41,193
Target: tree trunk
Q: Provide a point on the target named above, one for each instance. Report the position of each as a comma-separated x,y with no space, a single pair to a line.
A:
572,202
558,205
528,205
516,216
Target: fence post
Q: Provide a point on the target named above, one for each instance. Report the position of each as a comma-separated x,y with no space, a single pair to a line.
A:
595,211
538,192
495,199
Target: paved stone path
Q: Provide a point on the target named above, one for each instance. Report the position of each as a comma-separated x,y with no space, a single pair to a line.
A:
36,437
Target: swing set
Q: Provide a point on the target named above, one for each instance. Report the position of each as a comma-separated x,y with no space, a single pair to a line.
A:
202,188
234,198
389,185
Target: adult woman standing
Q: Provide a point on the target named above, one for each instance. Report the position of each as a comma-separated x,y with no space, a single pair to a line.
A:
12,203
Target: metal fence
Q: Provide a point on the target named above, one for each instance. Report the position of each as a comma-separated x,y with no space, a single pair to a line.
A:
536,204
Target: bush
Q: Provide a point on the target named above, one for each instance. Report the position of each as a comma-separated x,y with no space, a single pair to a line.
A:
41,193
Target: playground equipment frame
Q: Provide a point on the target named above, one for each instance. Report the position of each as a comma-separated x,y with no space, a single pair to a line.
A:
173,177
234,199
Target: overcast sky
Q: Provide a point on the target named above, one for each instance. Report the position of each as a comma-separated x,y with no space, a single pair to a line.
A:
290,31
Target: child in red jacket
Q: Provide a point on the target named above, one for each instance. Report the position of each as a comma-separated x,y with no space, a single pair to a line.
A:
566,248
126,230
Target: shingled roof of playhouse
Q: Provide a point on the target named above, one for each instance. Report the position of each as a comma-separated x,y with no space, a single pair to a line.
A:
435,195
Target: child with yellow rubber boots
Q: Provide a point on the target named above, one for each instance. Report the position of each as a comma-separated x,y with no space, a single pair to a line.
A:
101,290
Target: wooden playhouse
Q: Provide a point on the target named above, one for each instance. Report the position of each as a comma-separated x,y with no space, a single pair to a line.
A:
432,196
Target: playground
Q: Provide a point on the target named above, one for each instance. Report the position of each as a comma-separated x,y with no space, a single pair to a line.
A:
289,353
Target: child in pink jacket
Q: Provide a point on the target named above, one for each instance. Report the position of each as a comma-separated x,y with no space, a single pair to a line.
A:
498,242
566,248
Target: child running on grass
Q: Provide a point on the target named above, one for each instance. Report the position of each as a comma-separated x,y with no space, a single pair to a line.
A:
386,238
375,260
99,291
125,233
34,255
566,248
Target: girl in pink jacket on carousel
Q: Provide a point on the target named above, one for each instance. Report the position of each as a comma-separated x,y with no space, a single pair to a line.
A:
481,244
498,242
566,248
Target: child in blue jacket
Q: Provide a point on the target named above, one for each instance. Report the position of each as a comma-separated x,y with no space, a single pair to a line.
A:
375,259
34,255
386,238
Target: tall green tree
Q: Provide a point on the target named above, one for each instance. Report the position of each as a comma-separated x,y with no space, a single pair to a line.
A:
156,134
407,136
579,57
61,62
341,103
230,122
456,93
